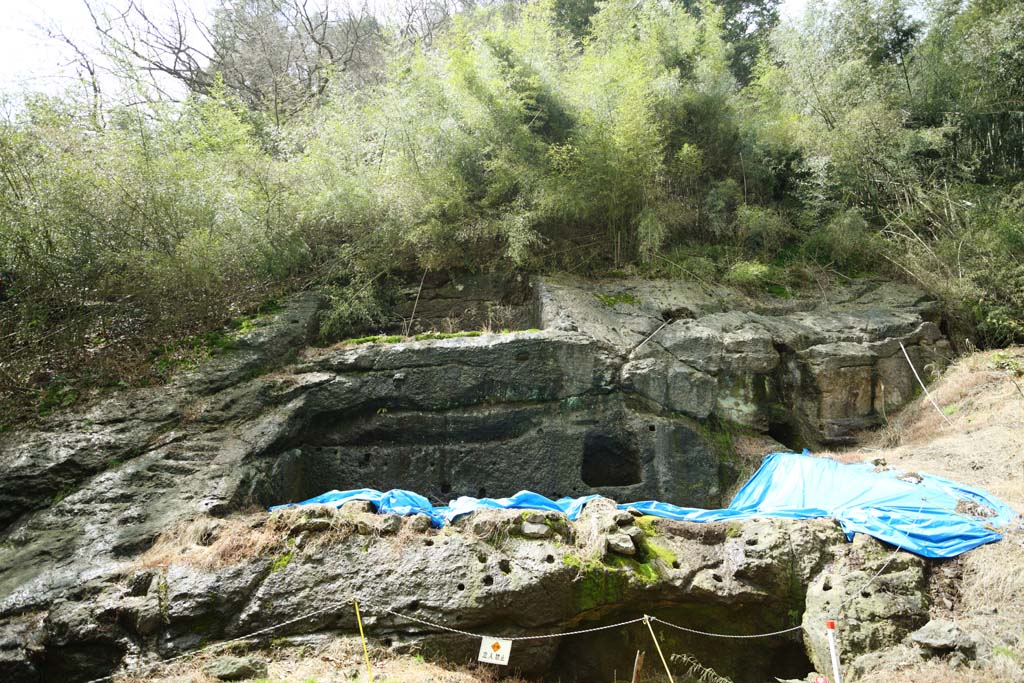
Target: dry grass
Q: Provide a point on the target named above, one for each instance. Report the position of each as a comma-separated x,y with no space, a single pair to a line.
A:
491,526
333,661
994,576
590,530
213,543
1000,670
980,390
982,396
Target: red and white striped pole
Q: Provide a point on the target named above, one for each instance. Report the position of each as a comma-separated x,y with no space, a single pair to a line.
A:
830,631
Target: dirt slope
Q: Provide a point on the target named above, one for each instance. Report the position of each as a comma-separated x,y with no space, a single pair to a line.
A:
976,437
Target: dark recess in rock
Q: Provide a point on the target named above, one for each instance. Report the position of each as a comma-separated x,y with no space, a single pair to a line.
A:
578,407
607,461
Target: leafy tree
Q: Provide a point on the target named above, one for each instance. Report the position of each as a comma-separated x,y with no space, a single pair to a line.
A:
746,26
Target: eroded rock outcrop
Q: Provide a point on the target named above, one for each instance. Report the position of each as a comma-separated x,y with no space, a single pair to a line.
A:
806,370
591,403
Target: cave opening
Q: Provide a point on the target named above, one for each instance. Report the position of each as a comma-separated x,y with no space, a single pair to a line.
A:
788,434
610,655
608,461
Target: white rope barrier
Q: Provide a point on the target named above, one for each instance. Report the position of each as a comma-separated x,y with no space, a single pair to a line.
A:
432,624
926,392
543,636
470,634
727,635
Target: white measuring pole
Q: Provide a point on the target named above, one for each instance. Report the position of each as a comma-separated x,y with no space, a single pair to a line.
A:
830,630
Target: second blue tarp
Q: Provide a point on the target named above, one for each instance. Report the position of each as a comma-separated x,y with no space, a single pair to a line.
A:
926,515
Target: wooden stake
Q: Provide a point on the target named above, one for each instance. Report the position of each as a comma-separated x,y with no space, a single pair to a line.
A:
637,665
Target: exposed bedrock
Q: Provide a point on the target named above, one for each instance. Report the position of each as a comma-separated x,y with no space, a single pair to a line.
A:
490,573
484,416
591,403
809,372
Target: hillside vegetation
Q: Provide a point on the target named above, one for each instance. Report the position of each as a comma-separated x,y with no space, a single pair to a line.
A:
352,151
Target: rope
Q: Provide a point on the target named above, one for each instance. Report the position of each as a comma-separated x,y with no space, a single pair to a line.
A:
726,635
657,646
564,634
926,392
645,619
649,338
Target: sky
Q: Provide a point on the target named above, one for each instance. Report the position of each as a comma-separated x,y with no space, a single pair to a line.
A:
29,59
26,55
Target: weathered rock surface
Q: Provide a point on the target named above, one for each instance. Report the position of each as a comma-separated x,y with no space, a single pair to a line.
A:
236,668
584,406
874,612
810,371
942,637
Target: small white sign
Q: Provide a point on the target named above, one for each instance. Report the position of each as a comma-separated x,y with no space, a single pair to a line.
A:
495,651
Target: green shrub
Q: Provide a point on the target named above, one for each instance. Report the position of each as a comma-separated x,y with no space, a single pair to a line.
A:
762,230
846,243
749,275
720,205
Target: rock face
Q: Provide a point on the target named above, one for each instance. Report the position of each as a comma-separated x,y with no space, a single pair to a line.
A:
813,372
607,399
481,416
236,668
874,611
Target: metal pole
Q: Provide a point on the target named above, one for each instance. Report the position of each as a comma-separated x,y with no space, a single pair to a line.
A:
830,630
366,652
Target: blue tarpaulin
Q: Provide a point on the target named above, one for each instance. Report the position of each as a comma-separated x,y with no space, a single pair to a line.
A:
917,512
926,515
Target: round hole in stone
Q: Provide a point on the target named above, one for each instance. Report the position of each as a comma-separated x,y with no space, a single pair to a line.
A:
505,566
550,559
651,428
607,461
414,605
461,586
488,580
428,541
675,564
